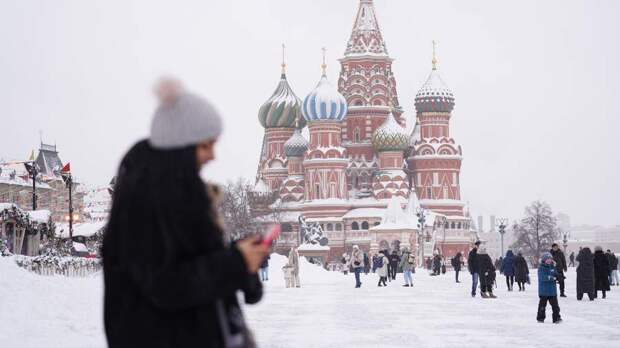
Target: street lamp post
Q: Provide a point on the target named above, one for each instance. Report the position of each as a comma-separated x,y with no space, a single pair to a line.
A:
68,179
565,241
421,213
502,231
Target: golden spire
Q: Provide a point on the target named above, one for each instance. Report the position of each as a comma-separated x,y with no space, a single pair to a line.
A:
283,65
324,65
434,56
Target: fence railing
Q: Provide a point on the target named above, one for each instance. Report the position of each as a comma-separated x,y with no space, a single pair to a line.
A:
65,266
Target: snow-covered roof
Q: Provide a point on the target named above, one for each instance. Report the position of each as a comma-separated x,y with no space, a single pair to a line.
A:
395,218
40,216
366,39
296,145
325,219
364,213
261,187
7,206
85,229
434,95
79,247
285,216
390,136
312,247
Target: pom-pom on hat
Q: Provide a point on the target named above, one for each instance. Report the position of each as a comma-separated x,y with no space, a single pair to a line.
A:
182,119
546,256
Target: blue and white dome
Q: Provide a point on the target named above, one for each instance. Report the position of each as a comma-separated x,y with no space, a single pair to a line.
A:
324,103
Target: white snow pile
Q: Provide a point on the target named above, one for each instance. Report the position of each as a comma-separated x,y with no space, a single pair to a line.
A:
51,312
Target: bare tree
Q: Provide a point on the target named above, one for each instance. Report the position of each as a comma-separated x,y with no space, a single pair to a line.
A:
536,231
235,209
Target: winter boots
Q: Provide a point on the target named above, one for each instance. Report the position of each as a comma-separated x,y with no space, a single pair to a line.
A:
487,295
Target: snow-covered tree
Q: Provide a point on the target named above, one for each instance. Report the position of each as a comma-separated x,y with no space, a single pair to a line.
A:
235,209
536,231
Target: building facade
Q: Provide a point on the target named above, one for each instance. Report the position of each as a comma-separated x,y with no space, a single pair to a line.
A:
360,174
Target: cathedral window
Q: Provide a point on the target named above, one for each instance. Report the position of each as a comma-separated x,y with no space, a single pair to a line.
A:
356,135
445,192
376,223
365,225
287,227
429,193
452,226
355,226
330,227
458,225
317,191
338,227
359,103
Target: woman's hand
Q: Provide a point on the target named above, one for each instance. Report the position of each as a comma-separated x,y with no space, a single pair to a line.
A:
253,252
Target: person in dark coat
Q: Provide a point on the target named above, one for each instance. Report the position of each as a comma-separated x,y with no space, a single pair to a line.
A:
366,264
560,266
547,290
393,266
508,269
613,268
457,262
436,264
521,271
486,270
572,259
472,267
585,274
264,269
601,272
429,263
170,280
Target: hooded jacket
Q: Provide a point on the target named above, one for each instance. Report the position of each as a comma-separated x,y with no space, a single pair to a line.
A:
508,264
585,272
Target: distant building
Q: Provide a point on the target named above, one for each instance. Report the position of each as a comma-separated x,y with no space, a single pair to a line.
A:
52,193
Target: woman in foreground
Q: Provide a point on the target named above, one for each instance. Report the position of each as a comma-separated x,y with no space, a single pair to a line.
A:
170,280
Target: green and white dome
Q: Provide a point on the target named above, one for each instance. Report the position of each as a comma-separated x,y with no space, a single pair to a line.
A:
282,109
390,136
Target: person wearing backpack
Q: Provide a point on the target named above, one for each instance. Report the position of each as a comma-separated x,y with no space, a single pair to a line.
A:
407,263
456,265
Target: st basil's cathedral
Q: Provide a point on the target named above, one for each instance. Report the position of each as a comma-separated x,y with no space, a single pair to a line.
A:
359,174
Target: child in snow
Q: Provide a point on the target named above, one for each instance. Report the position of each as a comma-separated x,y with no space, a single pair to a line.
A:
547,291
382,268
288,275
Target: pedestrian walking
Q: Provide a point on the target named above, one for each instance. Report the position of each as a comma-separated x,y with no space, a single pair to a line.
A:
547,290
601,272
366,264
585,274
345,263
375,259
382,268
170,278
508,269
613,267
407,263
572,259
457,262
436,264
357,262
472,267
560,266
293,261
393,267
522,271
486,270
264,269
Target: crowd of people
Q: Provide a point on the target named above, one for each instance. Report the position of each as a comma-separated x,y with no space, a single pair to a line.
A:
596,272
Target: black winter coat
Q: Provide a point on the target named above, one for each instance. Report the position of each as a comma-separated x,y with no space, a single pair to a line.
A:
585,272
485,265
521,269
613,261
169,279
601,271
560,260
472,262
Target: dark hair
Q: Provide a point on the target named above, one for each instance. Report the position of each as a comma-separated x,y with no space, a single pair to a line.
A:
554,245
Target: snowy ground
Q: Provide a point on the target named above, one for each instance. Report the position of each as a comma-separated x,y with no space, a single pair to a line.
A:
327,311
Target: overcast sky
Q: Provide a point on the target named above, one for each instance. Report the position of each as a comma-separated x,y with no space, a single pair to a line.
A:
536,83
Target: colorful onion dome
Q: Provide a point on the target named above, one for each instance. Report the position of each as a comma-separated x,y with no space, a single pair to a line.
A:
434,96
390,136
282,108
296,145
324,103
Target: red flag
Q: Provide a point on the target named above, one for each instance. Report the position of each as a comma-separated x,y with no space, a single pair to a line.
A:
66,169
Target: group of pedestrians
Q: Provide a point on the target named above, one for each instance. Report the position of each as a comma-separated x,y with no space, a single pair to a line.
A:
595,272
482,269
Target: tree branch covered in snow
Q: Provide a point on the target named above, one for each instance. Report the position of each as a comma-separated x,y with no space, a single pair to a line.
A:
235,209
536,231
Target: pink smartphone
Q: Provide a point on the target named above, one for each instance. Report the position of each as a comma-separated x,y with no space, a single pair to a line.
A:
273,234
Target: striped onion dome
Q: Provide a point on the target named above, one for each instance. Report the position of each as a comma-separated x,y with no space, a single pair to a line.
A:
434,96
390,136
324,103
282,108
296,145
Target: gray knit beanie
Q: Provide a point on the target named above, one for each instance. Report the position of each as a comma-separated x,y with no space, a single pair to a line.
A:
182,119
